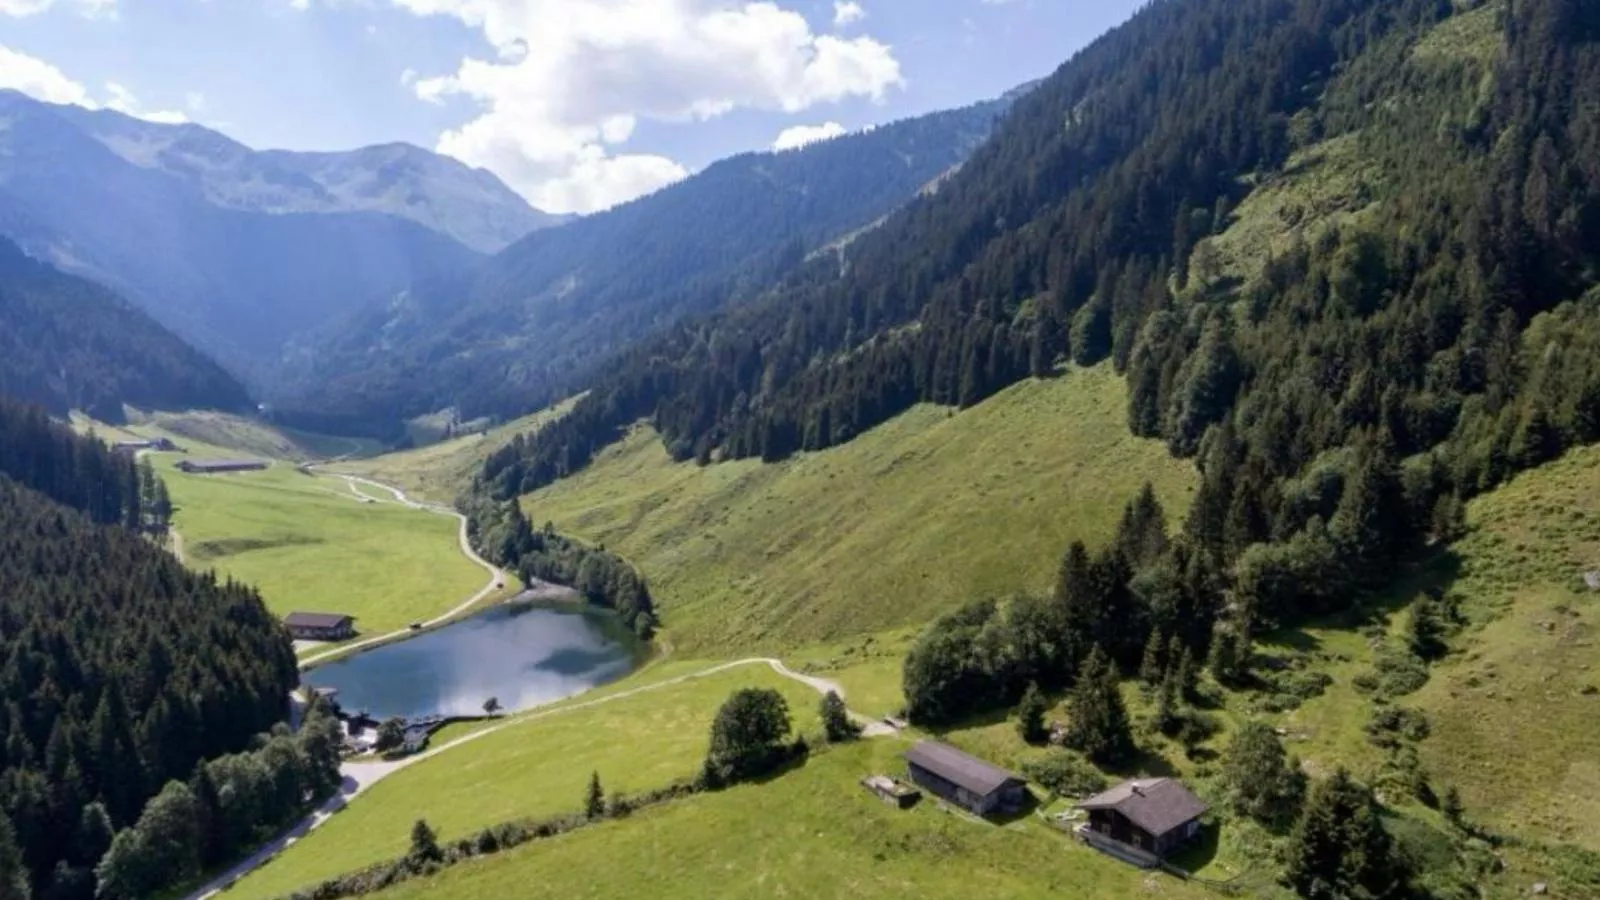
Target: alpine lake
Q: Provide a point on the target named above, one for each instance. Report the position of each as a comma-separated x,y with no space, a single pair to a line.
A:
521,653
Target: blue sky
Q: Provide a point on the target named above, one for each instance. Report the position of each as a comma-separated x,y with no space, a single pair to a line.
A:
577,104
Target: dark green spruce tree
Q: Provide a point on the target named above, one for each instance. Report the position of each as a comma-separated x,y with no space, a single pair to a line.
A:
1099,726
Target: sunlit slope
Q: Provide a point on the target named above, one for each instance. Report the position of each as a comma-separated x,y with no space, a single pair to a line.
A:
438,472
1516,714
812,833
537,768
930,510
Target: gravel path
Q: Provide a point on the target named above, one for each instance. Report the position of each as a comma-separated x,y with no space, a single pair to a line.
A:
359,776
497,577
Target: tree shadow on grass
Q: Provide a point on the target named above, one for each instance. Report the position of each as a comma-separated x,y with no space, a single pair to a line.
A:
1201,851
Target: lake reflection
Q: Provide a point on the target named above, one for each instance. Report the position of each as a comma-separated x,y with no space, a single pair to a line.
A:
521,654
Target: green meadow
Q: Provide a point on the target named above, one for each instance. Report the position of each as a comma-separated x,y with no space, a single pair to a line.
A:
537,767
926,512
307,542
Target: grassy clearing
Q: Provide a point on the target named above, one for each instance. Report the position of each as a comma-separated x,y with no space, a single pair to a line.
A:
535,768
441,471
1514,711
810,833
309,543
1324,186
926,512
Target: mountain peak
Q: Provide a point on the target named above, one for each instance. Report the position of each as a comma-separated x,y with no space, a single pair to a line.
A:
469,205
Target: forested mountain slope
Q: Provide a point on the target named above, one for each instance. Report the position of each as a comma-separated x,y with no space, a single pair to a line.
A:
1081,229
523,329
237,277
66,343
120,671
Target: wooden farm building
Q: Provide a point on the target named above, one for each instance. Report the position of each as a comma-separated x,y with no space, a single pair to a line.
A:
1152,815
217,466
965,780
306,626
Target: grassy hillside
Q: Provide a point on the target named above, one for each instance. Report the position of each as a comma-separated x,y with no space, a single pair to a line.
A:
935,508
536,768
1514,712
439,472
253,436
811,833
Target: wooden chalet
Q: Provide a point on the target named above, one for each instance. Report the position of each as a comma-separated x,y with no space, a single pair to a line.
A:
1152,815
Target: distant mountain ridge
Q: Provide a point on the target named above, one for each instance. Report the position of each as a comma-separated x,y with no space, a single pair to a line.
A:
66,343
237,251
443,194
525,326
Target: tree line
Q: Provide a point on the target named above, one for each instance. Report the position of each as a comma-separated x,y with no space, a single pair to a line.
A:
120,670
503,534
39,453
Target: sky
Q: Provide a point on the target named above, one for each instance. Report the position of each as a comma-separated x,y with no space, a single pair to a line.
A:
576,104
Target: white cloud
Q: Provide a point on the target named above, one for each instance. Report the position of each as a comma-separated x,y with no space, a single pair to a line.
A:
801,135
90,8
123,101
39,79
847,12
570,79
43,81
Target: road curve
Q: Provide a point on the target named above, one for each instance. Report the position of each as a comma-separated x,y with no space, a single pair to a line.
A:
496,576
359,776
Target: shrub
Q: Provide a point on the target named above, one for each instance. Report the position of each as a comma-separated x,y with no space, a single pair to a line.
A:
1065,774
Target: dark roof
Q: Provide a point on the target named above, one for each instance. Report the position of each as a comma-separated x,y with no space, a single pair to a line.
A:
221,463
1157,805
958,768
316,620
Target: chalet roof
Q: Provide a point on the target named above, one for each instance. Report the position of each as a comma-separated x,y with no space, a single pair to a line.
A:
958,768
1157,805
316,620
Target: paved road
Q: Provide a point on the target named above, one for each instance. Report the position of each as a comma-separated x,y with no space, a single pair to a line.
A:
359,776
496,576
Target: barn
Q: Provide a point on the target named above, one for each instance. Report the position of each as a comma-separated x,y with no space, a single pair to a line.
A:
304,626
965,780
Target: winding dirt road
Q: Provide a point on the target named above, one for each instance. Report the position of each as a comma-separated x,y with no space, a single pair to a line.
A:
497,577
359,776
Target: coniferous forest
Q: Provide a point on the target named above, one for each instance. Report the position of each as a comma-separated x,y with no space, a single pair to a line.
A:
66,343
121,670
1340,405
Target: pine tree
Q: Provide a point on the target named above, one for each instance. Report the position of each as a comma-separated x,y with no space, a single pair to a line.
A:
1030,715
1188,676
1339,848
424,843
1262,781
594,803
1153,667
836,724
1099,720
13,874
1230,654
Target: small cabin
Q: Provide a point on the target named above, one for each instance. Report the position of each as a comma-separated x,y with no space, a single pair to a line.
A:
1152,815
965,780
304,626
